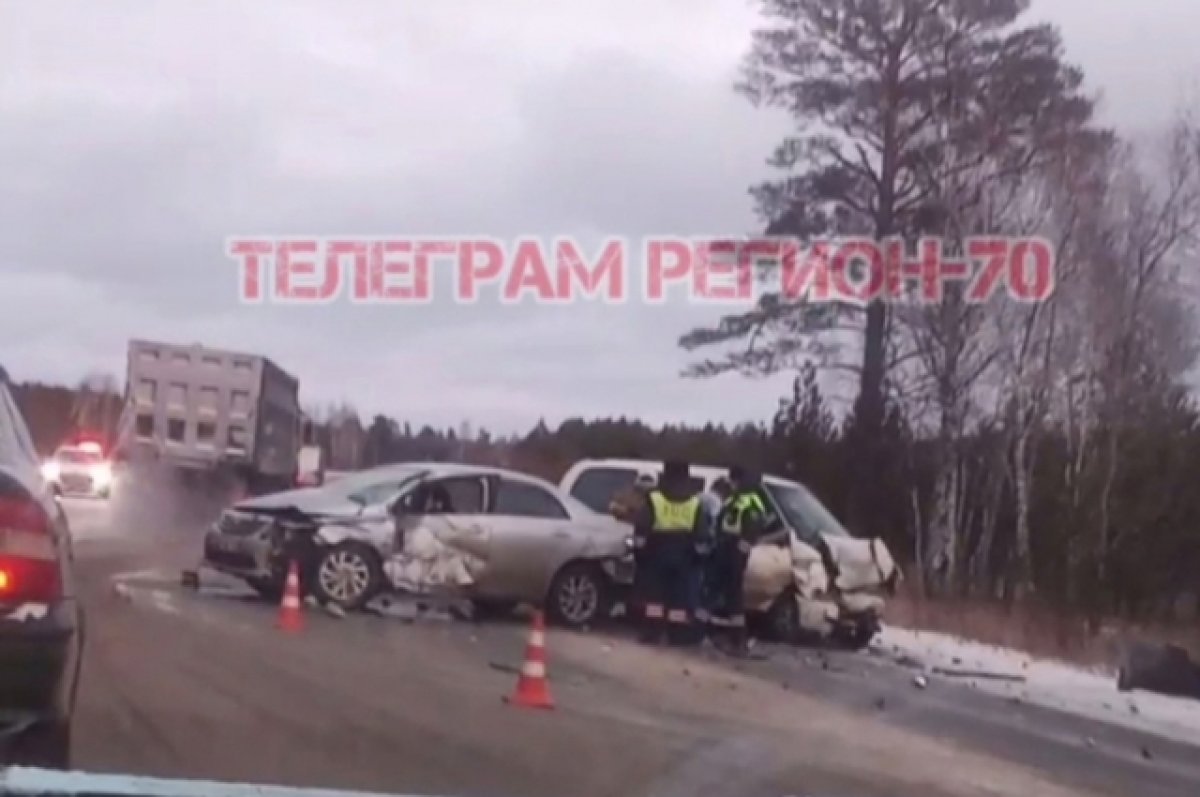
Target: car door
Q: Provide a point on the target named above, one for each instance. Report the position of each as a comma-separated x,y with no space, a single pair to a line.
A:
438,538
532,534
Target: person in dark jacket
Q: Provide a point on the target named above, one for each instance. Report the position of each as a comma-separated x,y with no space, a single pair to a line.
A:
666,533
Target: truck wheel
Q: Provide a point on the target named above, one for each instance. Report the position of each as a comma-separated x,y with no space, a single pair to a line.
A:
348,574
44,746
579,596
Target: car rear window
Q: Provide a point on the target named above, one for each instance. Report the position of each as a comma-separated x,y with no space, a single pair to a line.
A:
596,487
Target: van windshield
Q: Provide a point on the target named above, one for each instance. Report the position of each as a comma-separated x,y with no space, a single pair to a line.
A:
804,512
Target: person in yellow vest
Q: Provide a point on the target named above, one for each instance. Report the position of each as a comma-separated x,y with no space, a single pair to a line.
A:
666,531
742,523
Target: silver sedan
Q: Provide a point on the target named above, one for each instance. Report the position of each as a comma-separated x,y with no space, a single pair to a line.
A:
495,536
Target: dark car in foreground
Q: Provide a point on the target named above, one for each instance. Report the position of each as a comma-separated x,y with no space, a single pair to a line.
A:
40,620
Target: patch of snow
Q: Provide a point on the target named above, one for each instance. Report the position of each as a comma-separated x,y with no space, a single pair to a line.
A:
1074,690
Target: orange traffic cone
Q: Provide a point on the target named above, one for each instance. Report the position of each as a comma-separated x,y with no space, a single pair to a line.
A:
291,619
533,690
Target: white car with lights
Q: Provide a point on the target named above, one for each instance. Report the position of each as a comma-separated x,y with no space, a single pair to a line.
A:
79,470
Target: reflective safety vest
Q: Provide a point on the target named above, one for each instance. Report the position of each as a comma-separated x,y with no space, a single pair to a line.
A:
675,517
735,509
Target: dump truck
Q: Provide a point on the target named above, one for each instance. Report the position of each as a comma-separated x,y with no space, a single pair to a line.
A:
225,419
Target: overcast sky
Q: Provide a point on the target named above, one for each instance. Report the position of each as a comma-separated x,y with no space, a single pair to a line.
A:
136,136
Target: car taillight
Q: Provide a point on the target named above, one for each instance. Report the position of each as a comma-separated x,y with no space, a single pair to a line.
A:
29,569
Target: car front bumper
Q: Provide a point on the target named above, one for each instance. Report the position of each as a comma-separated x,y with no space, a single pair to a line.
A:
250,557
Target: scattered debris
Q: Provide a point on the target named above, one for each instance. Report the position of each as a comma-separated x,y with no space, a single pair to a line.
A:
687,673
880,704
1090,742
311,602
956,661
1146,754
606,648
991,676
502,667
920,682
333,610
190,579
786,686
122,591
1133,709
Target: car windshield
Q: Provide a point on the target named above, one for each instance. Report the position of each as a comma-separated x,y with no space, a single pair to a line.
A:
804,512
78,456
376,486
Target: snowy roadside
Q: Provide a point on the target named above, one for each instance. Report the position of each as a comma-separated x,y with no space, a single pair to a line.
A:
1011,673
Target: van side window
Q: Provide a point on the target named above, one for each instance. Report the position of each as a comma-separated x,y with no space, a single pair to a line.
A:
596,487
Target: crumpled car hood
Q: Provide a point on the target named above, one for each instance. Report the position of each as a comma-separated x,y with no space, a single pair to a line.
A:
863,565
314,500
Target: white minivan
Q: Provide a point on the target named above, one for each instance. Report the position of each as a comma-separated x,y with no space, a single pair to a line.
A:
787,576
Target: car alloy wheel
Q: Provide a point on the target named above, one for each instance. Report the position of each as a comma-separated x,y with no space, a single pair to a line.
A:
579,596
344,576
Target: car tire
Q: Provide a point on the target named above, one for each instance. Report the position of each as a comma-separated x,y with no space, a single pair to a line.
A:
349,575
857,636
579,596
45,746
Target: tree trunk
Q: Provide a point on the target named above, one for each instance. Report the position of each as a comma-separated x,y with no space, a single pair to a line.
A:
1023,577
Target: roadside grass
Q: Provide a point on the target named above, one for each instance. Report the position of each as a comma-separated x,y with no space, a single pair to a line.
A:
1035,630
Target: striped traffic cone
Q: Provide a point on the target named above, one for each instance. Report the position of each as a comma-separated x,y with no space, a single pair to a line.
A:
533,688
291,619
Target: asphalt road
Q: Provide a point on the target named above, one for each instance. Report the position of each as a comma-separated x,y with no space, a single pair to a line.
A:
202,685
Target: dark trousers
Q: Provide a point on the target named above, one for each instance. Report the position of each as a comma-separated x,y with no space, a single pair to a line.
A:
668,582
728,575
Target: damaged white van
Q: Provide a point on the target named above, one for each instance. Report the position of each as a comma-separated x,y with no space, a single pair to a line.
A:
788,574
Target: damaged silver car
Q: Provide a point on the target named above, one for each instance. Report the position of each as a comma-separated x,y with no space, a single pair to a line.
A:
496,537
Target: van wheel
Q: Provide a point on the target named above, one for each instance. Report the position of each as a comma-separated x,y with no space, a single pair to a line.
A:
579,596
783,619
857,636
348,574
